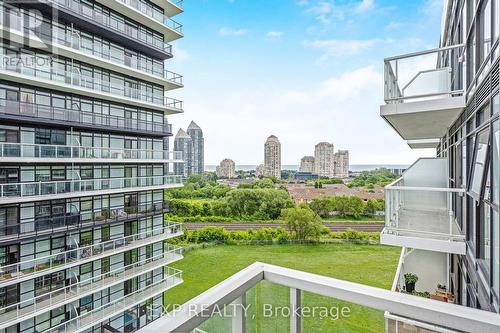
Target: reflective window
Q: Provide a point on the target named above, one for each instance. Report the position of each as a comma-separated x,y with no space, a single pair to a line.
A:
480,153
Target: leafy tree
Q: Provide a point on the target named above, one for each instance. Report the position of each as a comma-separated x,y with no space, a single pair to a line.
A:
302,222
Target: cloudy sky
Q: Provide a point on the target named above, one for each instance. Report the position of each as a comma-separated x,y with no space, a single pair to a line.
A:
304,70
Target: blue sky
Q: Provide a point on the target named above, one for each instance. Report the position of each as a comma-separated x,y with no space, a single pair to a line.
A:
304,70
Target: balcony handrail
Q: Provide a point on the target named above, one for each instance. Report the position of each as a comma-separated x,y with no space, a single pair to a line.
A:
93,282
167,21
72,220
450,237
197,310
393,186
80,253
27,109
425,52
77,8
61,151
75,324
40,188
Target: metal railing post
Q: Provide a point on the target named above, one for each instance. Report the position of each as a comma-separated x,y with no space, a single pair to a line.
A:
238,320
295,310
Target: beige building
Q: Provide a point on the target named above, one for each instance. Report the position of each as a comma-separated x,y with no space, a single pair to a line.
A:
260,170
341,164
307,164
324,154
272,157
226,169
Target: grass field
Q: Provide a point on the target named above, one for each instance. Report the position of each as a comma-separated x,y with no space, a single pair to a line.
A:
373,265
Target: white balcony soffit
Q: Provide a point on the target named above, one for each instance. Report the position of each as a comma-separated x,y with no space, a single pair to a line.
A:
171,7
418,308
423,144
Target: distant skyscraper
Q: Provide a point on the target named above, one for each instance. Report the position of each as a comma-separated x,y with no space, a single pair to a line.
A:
196,134
272,157
324,159
184,143
307,164
341,167
226,169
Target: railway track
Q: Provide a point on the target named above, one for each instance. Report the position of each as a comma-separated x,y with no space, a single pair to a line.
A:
336,227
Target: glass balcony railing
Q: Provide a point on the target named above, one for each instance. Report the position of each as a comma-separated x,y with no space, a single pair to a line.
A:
34,267
172,277
22,109
15,20
112,24
420,206
43,226
29,189
29,150
78,289
77,79
424,75
146,10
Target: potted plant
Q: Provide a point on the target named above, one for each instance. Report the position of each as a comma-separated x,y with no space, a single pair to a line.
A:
410,280
441,288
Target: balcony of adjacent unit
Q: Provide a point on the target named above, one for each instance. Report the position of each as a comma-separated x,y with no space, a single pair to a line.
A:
172,277
171,7
42,71
77,288
147,15
419,209
424,94
85,47
100,20
78,255
39,153
225,307
49,190
14,229
432,272
38,113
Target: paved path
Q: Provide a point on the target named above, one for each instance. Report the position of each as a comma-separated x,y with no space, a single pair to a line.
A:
369,227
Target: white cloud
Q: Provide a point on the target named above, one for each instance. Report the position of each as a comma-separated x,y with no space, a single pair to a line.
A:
365,5
226,31
274,34
341,47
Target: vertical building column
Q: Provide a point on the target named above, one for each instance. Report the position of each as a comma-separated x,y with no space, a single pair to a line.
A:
295,309
239,320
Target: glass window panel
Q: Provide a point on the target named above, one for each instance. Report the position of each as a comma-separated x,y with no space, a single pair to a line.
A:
494,163
480,153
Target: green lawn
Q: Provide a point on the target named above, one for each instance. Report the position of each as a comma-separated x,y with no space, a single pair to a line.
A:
373,265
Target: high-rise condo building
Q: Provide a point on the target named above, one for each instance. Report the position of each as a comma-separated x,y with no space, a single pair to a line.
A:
192,146
260,171
272,157
226,169
183,143
445,211
83,164
341,164
324,154
307,164
198,159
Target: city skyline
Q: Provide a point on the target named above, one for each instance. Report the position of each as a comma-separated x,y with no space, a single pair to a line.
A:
335,56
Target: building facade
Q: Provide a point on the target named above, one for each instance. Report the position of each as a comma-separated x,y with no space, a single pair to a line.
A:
307,164
324,160
272,157
226,169
341,164
83,164
452,92
184,143
198,159
260,171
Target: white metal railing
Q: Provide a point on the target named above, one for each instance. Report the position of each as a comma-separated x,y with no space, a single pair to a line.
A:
146,10
434,205
28,268
232,291
171,278
79,289
424,75
31,150
29,189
